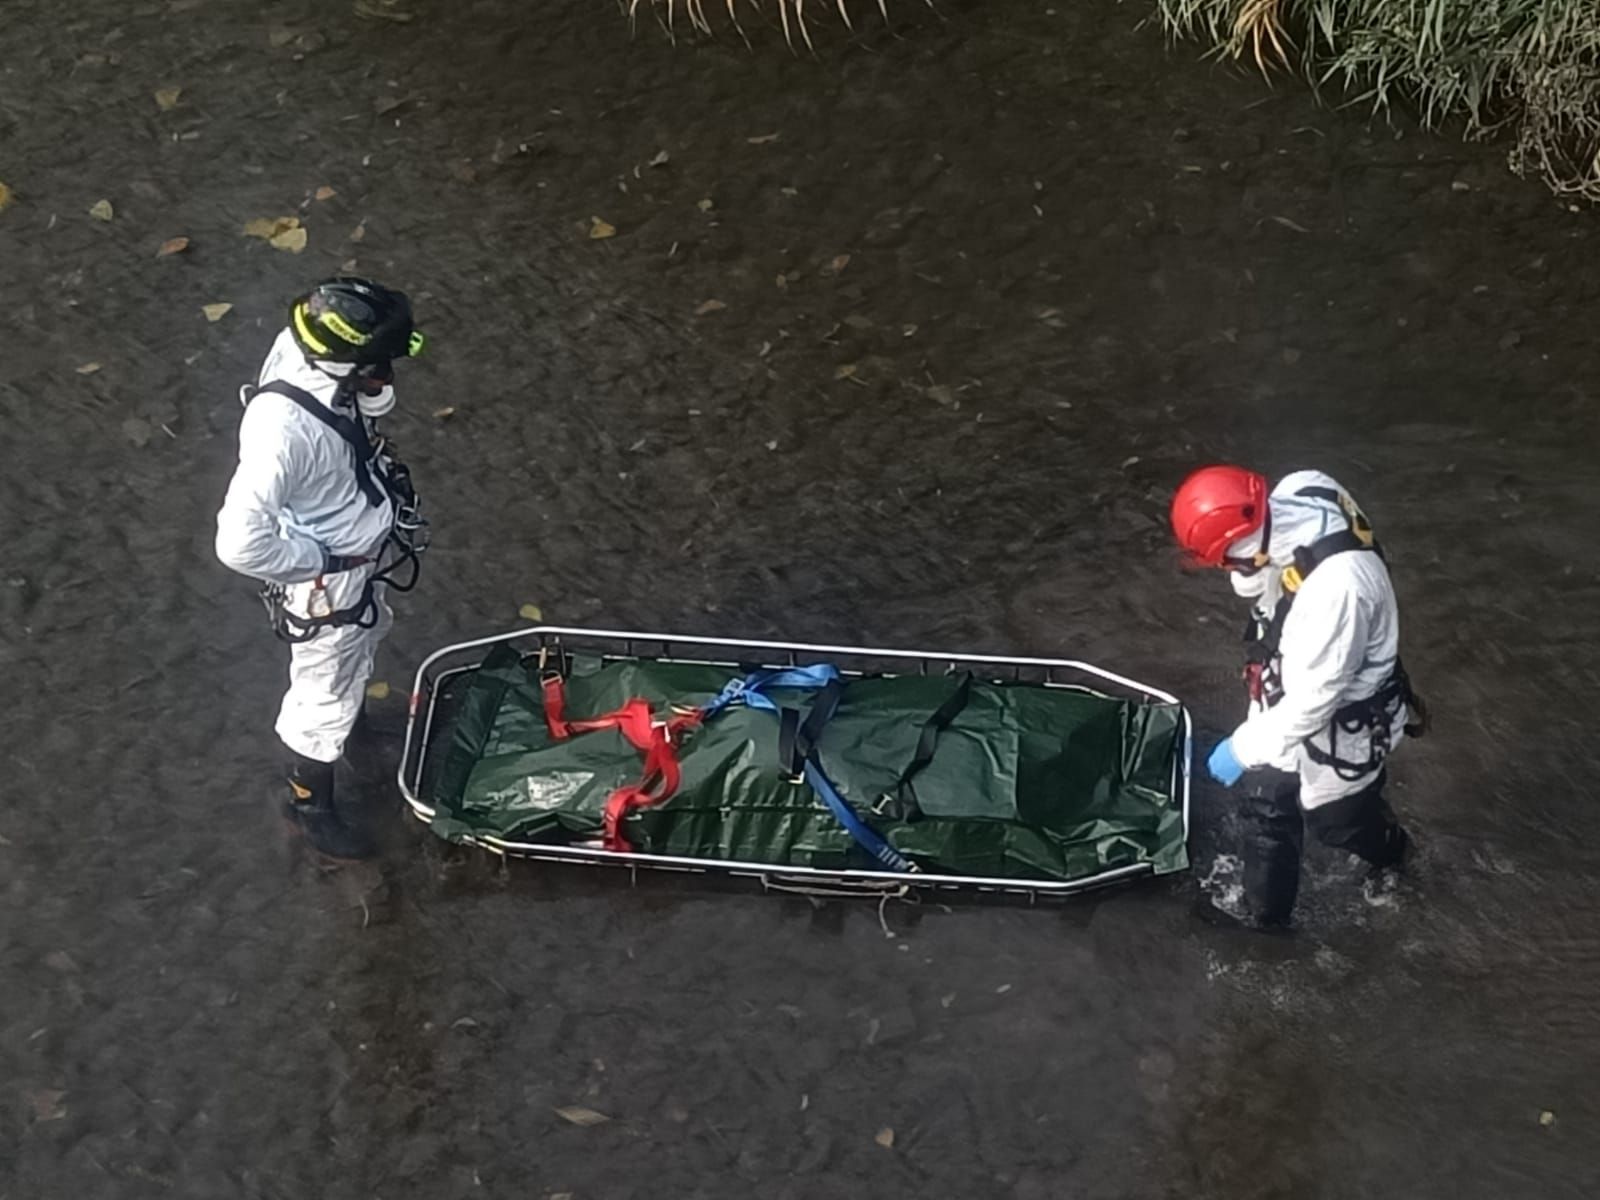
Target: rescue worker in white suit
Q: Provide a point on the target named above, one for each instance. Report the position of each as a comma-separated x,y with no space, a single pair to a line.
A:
322,513
1329,699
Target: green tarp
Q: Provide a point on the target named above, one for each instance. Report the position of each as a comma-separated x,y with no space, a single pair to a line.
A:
1025,783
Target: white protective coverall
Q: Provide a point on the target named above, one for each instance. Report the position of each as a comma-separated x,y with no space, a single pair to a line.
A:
1340,643
294,498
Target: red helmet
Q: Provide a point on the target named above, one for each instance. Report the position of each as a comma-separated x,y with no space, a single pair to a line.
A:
1215,507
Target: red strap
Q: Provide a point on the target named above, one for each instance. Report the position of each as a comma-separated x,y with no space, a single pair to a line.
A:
633,718
661,777
634,721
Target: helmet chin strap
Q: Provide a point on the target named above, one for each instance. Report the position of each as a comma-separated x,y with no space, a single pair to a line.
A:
1259,557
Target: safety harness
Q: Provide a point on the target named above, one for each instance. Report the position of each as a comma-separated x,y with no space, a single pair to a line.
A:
1373,714
380,475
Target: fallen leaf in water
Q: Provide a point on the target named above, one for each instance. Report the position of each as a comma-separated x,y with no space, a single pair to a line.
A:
324,193
908,331
381,10
88,368
660,160
280,37
773,444
387,104
601,229
581,1116
858,321
359,232
292,240
706,205
215,312
1294,225
268,228
378,689
839,263
1129,461
1002,989
172,246
531,612
7,197
445,413
1547,1118
48,1104
847,371
167,98
940,394
947,1000
885,1138
101,210
763,139
709,306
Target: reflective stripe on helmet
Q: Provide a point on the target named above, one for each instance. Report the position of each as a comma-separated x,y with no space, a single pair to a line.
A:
340,328
303,328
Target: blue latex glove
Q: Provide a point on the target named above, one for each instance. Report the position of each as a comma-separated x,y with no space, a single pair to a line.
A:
1223,765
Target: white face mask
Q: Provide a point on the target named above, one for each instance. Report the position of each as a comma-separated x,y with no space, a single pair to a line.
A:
371,407
1250,586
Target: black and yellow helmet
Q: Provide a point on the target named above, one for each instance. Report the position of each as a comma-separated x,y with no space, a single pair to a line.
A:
351,320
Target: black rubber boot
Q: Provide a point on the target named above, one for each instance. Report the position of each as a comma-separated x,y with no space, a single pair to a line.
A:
1363,824
374,756
311,810
1272,851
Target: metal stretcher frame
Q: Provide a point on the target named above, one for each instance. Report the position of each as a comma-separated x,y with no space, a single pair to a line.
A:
613,645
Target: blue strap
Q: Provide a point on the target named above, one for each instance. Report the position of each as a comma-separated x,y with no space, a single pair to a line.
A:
866,837
751,692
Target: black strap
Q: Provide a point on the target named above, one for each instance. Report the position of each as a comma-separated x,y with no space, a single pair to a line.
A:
797,739
1375,714
1261,644
905,793
293,628
1308,558
1316,491
351,429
